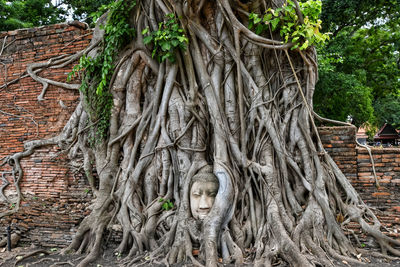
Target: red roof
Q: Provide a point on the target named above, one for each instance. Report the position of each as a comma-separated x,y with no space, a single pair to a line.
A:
387,132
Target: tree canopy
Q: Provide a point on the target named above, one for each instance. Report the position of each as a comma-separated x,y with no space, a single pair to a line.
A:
361,59
388,110
355,14
30,13
81,10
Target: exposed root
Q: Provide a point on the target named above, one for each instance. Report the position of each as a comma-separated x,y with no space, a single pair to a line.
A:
62,263
30,254
43,260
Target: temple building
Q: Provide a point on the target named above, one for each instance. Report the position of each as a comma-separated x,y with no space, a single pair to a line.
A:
387,135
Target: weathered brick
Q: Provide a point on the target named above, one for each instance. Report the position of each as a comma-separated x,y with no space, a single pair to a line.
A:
46,181
380,194
387,165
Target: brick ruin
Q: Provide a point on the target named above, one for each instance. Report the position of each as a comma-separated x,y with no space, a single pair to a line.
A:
355,162
57,197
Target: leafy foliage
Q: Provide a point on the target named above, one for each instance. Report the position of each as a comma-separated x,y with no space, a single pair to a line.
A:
117,33
373,51
363,51
29,13
339,95
82,10
388,110
167,205
290,28
98,71
169,37
338,15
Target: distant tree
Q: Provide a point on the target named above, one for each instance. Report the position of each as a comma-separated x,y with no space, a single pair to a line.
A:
372,55
83,9
340,14
361,59
31,13
388,110
28,13
339,95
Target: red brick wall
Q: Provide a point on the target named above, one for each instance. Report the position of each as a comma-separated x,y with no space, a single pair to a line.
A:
385,199
340,143
55,199
356,164
387,167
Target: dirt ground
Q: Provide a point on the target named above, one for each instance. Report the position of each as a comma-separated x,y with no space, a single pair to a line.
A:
51,257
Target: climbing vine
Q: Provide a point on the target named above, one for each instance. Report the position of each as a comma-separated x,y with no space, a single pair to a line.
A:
169,37
97,72
301,32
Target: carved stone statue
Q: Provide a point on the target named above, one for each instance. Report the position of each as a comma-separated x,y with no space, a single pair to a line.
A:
203,189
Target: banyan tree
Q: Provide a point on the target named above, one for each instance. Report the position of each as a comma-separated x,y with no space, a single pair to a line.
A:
206,103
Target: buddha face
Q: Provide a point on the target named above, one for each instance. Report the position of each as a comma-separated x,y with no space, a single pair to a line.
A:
202,196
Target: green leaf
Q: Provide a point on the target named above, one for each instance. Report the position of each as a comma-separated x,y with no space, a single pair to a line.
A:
267,17
165,206
164,57
251,24
259,29
310,32
147,39
166,46
276,13
175,43
161,199
274,23
182,39
305,45
271,10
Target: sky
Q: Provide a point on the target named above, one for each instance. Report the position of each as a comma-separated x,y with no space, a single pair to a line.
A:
64,6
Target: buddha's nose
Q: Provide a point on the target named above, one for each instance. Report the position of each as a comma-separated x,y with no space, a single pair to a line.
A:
204,203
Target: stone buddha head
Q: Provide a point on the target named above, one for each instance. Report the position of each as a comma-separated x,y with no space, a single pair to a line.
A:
203,189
